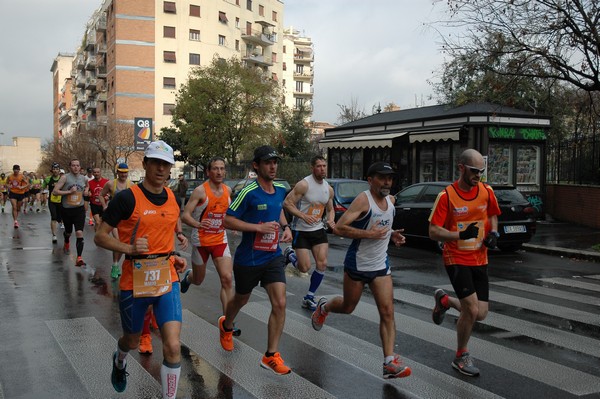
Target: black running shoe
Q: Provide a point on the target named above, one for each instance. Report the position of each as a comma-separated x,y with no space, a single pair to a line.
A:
118,376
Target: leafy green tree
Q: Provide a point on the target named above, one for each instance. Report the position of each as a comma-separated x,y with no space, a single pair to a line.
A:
224,109
293,141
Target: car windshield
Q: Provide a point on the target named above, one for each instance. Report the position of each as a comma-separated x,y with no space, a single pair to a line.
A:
351,189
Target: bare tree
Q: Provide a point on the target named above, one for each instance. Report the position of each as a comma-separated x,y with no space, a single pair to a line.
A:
113,143
350,113
550,39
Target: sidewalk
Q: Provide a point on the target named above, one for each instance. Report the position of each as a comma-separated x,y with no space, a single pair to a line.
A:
566,239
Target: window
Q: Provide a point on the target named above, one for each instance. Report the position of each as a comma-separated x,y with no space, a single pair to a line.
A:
248,28
237,2
299,68
273,57
274,16
237,22
169,7
168,109
299,103
299,87
274,76
284,66
195,35
249,5
194,59
261,10
169,31
237,45
194,11
222,17
169,56
283,82
221,40
168,83
284,50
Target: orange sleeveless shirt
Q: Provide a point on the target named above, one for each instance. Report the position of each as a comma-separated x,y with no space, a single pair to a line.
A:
464,209
213,208
157,223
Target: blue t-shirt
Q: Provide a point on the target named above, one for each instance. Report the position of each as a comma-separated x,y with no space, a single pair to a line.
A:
254,205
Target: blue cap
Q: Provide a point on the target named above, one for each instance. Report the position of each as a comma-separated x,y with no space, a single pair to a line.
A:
122,167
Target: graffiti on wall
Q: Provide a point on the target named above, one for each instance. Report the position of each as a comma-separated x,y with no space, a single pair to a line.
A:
536,202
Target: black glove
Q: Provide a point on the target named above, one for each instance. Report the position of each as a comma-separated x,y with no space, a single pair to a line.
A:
471,231
491,240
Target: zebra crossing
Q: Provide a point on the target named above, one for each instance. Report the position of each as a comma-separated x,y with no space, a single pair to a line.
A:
344,359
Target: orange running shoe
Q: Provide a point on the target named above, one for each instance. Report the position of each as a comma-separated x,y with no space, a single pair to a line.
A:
396,369
226,337
79,261
145,347
275,364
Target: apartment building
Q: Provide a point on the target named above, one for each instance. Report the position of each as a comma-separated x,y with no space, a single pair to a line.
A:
62,102
298,71
135,54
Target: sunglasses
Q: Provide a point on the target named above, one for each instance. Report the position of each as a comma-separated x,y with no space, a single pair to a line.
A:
475,170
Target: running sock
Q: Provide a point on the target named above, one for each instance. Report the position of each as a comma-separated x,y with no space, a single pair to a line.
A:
120,361
388,359
79,245
445,301
269,354
169,377
315,281
460,352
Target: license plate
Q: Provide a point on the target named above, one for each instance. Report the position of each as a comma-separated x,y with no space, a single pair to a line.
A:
515,229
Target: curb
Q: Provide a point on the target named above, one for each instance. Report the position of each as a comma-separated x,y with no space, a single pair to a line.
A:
568,252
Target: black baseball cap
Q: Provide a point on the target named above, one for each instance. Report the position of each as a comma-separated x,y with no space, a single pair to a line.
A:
381,168
265,152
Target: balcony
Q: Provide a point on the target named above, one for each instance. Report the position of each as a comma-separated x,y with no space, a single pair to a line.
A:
90,63
304,93
81,98
257,59
101,48
91,104
303,57
258,37
90,83
303,76
101,23
102,120
101,72
79,61
101,97
90,41
80,81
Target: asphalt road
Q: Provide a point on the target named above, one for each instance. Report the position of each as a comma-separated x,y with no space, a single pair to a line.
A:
59,329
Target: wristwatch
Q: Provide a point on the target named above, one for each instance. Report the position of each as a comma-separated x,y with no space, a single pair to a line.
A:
284,226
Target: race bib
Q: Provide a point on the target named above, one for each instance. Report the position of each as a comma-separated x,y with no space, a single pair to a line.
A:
316,210
471,244
151,277
266,241
74,199
216,223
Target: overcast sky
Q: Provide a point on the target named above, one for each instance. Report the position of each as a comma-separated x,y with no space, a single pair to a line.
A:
375,51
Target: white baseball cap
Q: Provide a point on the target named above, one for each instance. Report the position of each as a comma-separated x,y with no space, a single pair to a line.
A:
160,150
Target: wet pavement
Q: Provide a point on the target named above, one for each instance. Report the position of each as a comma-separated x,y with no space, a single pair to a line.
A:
541,340
567,239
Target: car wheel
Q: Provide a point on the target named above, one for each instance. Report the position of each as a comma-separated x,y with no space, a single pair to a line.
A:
509,247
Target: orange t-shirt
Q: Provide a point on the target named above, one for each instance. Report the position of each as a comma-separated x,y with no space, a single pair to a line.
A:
155,222
454,210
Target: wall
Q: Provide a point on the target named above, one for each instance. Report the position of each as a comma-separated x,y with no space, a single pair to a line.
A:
23,151
573,203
